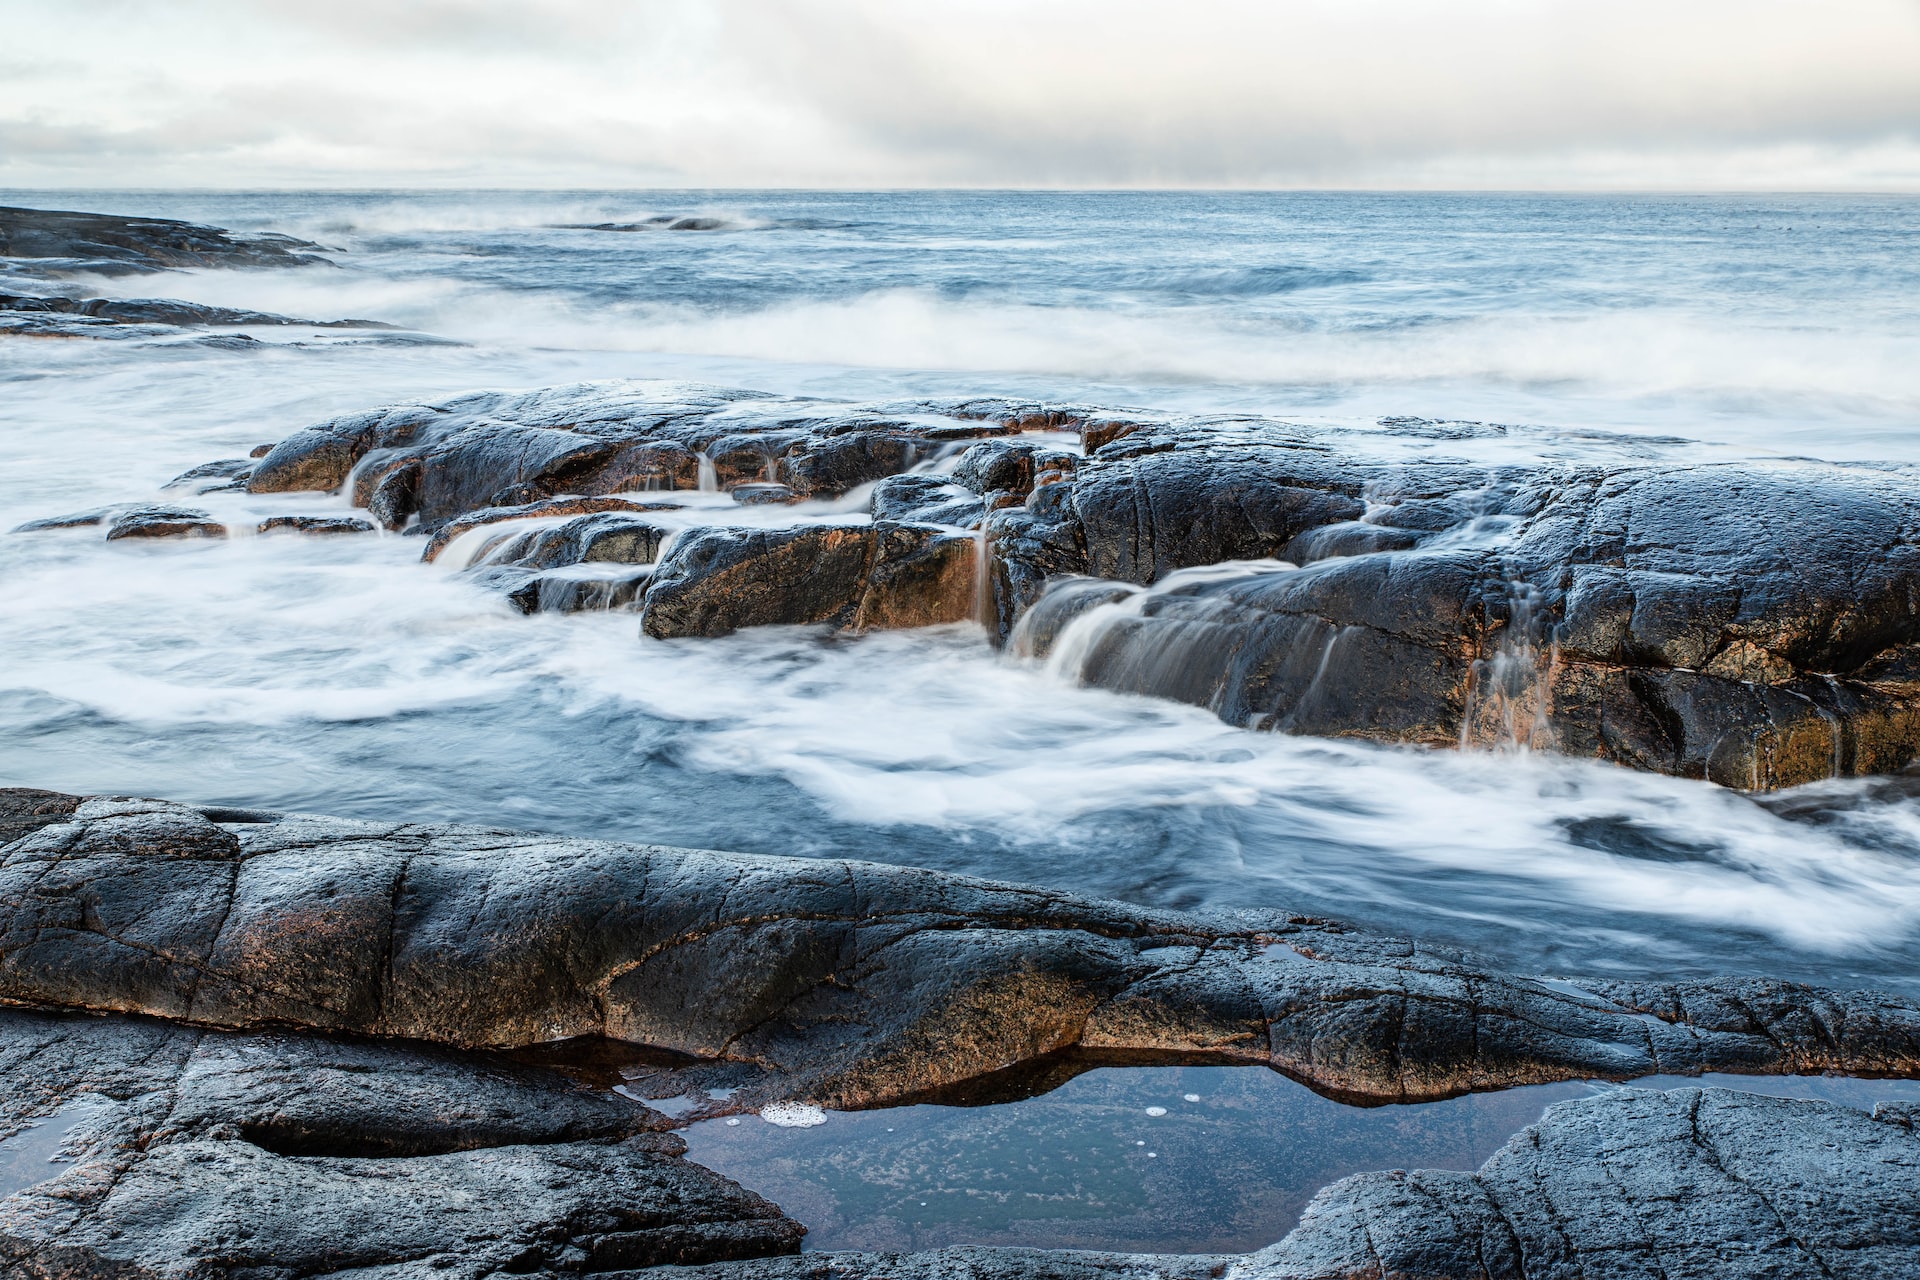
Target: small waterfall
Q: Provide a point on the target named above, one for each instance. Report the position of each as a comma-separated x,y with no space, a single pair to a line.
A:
1509,695
983,608
709,477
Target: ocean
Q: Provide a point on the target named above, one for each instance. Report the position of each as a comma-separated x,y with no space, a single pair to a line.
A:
343,676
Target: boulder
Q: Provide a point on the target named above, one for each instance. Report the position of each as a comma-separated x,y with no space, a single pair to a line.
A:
165,522
883,575
192,1152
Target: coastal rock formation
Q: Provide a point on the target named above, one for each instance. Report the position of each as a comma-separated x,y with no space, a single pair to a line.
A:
494,449
1754,624
848,984
18,311
195,1152
112,244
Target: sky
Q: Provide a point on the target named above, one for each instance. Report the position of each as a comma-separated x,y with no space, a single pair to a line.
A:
1422,94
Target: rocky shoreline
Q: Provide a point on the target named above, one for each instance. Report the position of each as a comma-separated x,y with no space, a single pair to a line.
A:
290,1031
1753,625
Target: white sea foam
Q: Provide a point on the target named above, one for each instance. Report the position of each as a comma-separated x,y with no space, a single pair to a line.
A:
793,1115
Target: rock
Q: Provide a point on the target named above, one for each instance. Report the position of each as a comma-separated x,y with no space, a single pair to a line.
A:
78,519
563,592
1746,624
208,477
1696,1182
547,509
1753,624
843,983
494,449
216,1154
163,311
763,494
926,499
165,522
315,525
110,244
715,581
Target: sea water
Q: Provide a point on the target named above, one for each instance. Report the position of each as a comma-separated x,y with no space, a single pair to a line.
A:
343,676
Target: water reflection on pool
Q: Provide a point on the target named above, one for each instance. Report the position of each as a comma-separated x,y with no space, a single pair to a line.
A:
1173,1159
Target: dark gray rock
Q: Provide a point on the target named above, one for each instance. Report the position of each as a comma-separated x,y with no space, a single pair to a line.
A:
1696,1182
495,449
227,473
165,522
211,1154
160,311
850,984
315,526
77,519
927,499
111,243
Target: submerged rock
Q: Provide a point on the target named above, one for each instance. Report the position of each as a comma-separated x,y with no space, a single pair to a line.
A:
165,522
110,244
206,1153
843,983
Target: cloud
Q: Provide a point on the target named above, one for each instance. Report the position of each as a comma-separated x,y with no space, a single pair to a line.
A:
1708,93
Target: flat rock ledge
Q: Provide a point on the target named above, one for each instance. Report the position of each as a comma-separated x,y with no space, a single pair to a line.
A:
270,1047
842,983
1752,624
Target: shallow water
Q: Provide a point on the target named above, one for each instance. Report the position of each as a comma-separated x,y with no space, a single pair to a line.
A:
43,1150
342,676
1156,1159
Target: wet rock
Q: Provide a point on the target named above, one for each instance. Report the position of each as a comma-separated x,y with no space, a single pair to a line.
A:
548,509
577,592
216,1154
596,439
315,525
165,522
715,581
1696,1182
114,244
926,499
209,477
161,311
848,984
1745,624
77,519
764,494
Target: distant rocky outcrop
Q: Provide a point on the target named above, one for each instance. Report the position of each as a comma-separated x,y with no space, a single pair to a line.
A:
59,315
1753,624
115,244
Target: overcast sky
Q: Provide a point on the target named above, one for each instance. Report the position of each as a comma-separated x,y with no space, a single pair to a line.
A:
1695,94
